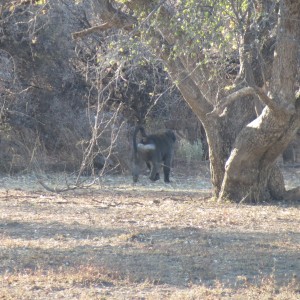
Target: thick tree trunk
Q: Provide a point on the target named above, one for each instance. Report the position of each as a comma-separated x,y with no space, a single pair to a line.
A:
250,167
250,171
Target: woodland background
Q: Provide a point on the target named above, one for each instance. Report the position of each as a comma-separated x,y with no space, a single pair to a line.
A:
50,87
49,102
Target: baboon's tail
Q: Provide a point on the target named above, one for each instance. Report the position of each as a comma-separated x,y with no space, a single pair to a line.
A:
136,130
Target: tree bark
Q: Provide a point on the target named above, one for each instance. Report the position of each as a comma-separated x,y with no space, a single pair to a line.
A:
250,168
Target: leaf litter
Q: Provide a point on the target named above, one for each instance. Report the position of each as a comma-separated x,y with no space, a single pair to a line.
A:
117,240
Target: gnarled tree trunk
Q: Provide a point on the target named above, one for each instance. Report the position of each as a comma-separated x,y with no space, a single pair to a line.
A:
250,168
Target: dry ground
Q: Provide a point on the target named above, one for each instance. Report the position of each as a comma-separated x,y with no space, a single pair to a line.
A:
148,241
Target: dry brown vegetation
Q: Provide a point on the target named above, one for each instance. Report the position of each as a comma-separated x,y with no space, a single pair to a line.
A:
148,241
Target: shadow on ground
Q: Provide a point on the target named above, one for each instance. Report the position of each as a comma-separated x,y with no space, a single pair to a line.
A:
174,256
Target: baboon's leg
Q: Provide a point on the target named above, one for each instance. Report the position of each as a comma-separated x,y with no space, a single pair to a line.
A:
166,174
167,169
154,174
135,171
157,174
148,166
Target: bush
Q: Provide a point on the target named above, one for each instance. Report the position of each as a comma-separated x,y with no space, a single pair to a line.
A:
190,152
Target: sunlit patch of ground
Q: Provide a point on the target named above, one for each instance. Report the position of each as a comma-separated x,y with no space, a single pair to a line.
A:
116,240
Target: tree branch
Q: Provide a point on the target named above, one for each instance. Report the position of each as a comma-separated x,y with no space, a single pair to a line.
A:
112,17
56,190
82,33
244,92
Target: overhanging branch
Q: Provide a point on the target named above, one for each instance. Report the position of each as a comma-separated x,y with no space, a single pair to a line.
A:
82,33
244,92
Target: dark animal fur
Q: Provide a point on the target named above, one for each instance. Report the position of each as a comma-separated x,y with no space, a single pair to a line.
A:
155,150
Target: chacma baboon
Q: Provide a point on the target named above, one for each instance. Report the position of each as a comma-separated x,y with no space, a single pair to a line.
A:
155,150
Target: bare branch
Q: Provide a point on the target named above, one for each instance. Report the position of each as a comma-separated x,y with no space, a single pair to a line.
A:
82,33
263,97
78,185
221,106
244,92
112,17
56,190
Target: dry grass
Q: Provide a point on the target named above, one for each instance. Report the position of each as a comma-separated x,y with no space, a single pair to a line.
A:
118,241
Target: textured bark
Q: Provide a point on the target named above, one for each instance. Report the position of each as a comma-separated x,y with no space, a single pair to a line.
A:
249,169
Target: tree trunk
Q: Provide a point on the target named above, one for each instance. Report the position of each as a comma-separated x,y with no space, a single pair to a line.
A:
250,168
